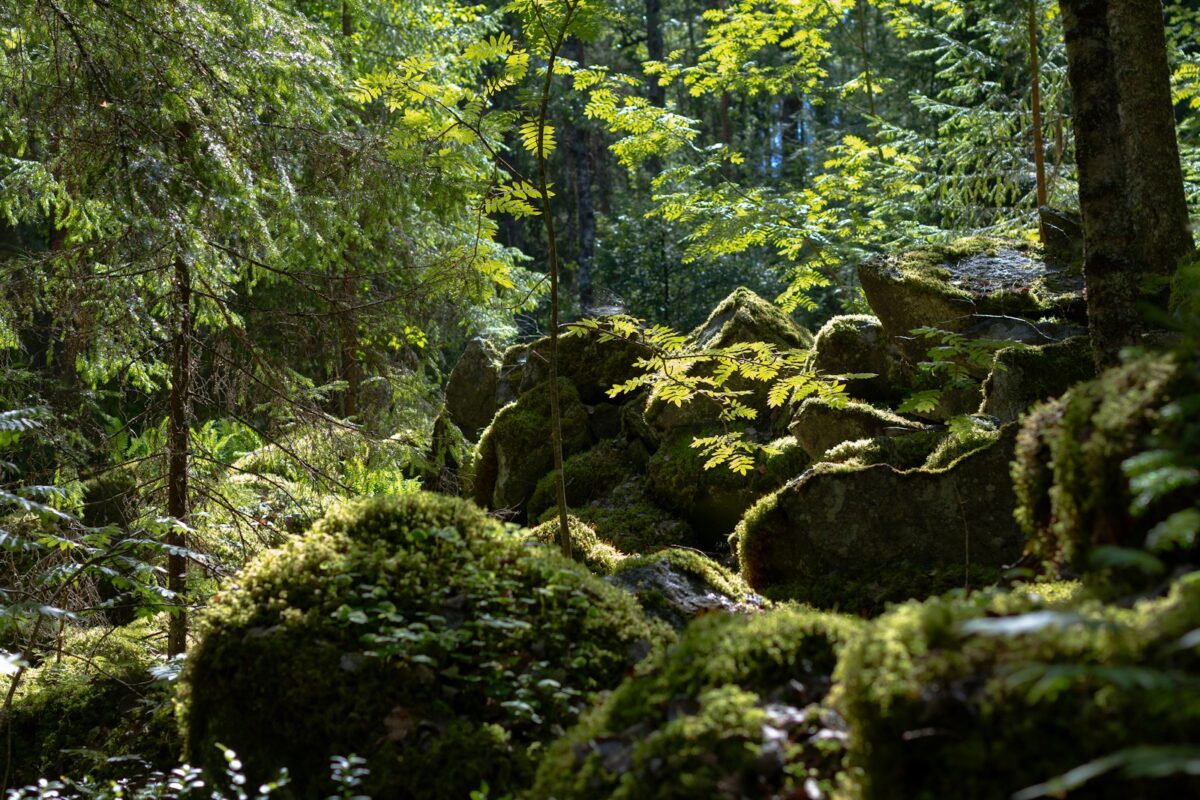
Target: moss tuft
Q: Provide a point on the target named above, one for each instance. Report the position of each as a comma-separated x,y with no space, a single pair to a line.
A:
1074,494
986,695
906,452
416,632
586,547
732,710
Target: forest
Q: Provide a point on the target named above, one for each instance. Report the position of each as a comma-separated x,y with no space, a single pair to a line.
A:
599,399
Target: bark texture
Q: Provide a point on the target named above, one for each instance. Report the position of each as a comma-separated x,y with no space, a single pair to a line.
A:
1130,180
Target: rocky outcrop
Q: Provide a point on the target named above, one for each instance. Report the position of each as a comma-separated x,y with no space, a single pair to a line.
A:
820,425
472,391
968,283
1023,376
882,534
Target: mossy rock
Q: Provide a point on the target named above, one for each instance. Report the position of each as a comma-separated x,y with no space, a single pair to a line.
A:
904,452
1024,375
820,425
856,345
590,475
713,500
586,546
856,537
678,585
1073,455
473,387
449,452
515,452
633,524
97,712
948,286
740,318
416,632
987,695
111,499
732,710
592,365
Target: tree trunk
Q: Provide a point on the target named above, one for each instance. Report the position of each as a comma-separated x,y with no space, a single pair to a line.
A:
1130,182
1035,102
178,425
348,336
655,50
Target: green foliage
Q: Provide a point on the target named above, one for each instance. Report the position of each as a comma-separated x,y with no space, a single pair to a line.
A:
403,598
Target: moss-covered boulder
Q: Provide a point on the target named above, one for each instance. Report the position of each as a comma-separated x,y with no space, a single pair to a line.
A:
740,318
678,585
855,537
631,522
591,365
473,388
416,632
713,500
515,451
98,710
1108,464
856,345
1023,376
986,696
953,286
733,710
591,475
820,425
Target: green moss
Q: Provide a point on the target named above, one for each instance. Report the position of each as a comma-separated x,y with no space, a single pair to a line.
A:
97,702
1026,375
857,344
906,452
589,475
713,500
986,695
960,444
631,523
514,452
701,567
820,425
742,317
707,718
593,366
1070,470
586,547
416,632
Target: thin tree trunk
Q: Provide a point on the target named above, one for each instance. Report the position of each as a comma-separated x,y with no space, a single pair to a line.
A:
178,425
655,50
564,526
1035,70
348,336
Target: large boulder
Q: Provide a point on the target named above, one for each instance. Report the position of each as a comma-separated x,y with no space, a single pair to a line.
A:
989,695
856,537
416,632
820,425
857,345
515,451
734,710
1025,375
976,282
1112,463
473,389
594,366
714,499
740,318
